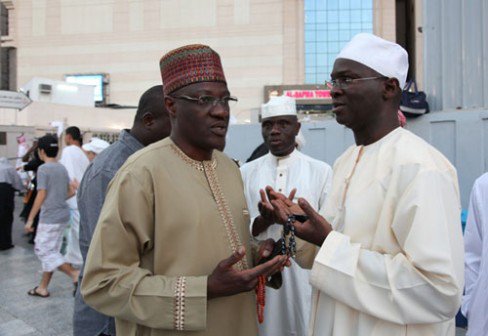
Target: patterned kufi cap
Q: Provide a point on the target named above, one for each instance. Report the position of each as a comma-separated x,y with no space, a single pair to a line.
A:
190,64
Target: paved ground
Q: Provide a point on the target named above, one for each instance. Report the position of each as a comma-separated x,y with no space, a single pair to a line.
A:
23,315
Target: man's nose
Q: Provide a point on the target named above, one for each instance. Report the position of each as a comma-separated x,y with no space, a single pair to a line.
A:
220,111
336,91
275,129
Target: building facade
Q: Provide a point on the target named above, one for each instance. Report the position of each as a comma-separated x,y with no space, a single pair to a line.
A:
262,42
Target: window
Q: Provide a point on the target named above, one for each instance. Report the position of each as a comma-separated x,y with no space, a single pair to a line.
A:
3,138
329,24
3,20
8,73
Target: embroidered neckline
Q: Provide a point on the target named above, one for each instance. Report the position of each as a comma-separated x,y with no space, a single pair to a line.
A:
199,165
208,167
225,212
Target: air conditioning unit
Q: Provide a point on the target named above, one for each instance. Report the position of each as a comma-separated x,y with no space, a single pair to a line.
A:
45,88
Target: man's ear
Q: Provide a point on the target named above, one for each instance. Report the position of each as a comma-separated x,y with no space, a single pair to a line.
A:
169,103
391,86
148,119
299,125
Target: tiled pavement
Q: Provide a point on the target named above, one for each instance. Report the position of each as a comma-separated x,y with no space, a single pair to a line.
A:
23,315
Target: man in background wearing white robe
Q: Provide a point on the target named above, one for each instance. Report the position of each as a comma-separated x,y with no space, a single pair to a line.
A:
391,259
75,161
475,301
287,310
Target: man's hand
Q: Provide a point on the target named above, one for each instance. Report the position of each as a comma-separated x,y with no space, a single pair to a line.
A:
265,208
266,212
314,230
28,227
225,280
266,248
288,201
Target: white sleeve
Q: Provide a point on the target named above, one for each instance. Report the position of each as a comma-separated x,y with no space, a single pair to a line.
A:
422,283
473,246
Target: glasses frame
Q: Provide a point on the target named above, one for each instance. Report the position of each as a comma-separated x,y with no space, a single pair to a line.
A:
344,83
224,101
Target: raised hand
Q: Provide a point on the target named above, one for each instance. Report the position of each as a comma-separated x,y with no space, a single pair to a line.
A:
225,280
266,211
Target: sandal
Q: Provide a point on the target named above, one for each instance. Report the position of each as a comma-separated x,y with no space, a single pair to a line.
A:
34,292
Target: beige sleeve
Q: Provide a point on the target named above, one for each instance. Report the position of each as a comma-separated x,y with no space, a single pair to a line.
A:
306,253
114,282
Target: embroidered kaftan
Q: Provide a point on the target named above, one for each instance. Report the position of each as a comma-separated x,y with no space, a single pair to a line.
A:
166,223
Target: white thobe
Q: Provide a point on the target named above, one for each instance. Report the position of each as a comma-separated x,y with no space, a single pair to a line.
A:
475,301
75,161
287,310
394,263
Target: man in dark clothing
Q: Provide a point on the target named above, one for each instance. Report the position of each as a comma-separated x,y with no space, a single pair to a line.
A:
33,162
9,182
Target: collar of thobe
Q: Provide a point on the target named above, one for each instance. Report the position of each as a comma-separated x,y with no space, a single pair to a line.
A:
384,139
284,161
199,165
360,151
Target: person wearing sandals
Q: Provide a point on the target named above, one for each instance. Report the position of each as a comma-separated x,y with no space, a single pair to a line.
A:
53,188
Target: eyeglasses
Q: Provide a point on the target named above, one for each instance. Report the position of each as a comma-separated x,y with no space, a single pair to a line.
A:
210,101
344,82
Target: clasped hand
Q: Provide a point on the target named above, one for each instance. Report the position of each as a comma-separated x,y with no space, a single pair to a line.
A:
279,207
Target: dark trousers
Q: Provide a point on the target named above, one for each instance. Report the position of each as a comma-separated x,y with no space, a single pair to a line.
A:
6,215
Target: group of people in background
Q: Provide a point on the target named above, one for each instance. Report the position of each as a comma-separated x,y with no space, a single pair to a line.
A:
168,235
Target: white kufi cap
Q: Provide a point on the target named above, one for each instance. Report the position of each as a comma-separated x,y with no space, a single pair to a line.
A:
96,145
385,57
279,106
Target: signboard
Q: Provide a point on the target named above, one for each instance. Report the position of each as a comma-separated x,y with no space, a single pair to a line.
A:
96,80
15,100
307,94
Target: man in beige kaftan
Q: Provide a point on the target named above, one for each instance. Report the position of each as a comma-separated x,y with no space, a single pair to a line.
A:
174,213
391,259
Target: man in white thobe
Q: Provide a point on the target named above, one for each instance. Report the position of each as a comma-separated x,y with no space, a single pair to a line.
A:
75,161
475,300
391,259
287,310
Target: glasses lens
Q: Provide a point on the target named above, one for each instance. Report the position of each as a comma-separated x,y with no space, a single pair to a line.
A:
207,101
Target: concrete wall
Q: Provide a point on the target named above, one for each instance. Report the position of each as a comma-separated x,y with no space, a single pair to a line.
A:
461,137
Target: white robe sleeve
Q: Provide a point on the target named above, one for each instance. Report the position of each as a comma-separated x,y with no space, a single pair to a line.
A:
473,250
420,284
